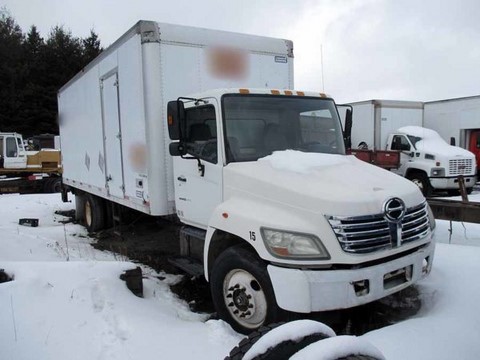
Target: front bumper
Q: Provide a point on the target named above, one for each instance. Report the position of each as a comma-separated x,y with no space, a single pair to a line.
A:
306,291
451,182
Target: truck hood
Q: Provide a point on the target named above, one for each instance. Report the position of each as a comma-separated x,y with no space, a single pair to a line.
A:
322,183
432,143
443,149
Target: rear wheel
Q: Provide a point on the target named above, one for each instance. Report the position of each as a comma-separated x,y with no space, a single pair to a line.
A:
56,185
421,180
93,213
242,291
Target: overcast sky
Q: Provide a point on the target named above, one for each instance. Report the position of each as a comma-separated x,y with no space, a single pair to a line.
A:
372,49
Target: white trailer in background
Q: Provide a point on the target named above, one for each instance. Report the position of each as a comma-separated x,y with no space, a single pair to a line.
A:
143,127
458,119
425,158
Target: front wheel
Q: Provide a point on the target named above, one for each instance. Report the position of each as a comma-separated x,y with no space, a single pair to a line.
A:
421,180
242,291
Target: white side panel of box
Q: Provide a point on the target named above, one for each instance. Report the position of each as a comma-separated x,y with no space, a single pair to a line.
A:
80,120
82,128
392,119
451,118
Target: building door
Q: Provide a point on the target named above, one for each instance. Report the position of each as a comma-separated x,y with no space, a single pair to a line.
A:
474,144
112,136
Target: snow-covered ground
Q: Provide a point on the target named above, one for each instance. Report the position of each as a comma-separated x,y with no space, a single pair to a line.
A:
67,301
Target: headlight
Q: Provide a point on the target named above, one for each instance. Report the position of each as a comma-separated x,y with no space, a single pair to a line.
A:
437,172
294,245
431,219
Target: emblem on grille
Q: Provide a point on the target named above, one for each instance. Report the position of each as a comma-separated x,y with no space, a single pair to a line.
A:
394,210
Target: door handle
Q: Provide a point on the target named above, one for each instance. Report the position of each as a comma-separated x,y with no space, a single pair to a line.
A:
182,178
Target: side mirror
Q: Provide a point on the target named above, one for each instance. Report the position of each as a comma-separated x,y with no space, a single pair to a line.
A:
177,149
175,119
347,136
452,141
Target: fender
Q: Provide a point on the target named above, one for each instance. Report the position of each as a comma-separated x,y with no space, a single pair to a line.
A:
243,218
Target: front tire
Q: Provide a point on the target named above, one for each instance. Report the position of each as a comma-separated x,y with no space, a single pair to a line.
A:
242,291
421,180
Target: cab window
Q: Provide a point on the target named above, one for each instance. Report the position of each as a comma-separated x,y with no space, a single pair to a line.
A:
201,133
11,147
400,143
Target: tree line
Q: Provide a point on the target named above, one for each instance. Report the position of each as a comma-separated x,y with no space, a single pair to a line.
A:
33,69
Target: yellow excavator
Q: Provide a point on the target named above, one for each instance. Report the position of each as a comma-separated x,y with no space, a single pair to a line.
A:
24,170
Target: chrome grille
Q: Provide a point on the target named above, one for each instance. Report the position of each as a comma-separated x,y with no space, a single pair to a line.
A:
460,167
366,234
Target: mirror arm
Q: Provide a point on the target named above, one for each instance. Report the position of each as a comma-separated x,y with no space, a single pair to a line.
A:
201,168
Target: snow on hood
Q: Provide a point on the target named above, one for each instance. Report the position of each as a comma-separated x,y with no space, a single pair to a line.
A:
433,143
302,163
321,183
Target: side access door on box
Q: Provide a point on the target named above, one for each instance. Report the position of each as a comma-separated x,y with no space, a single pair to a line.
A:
112,135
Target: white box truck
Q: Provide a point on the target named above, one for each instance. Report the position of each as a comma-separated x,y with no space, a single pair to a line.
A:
275,214
425,158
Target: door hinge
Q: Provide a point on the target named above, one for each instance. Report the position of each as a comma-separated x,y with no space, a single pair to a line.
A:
119,136
115,83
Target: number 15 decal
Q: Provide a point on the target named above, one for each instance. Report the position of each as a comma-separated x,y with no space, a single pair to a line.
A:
253,237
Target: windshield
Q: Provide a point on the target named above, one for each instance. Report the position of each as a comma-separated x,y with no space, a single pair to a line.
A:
414,140
257,125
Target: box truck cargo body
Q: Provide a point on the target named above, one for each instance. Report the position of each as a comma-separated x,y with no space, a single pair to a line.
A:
256,173
112,114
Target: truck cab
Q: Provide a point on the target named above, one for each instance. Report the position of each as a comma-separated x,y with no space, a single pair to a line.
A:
430,162
12,151
277,213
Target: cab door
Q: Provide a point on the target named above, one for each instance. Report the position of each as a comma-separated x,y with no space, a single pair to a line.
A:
198,175
402,144
14,153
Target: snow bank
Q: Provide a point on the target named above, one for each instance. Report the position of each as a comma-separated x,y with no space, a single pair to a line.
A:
294,330
301,162
79,309
432,142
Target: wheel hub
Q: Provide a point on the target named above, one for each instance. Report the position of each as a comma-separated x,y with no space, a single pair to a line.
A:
241,300
244,298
